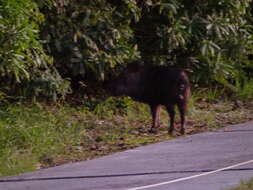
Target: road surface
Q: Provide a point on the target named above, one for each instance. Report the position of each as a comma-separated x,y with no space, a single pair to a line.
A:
206,161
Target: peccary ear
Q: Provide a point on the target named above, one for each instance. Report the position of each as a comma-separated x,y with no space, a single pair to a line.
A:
134,66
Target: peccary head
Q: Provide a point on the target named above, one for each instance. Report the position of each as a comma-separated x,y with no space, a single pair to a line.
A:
128,83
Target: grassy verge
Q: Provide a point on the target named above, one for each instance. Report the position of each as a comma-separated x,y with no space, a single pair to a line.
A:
34,136
244,185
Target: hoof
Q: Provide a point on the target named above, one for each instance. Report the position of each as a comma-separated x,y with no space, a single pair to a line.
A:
171,133
152,130
174,133
182,131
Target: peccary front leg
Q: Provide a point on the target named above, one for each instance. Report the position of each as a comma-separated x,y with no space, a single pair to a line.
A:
171,112
155,111
182,111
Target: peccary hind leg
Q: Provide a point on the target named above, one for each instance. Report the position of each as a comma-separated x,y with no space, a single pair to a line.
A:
171,112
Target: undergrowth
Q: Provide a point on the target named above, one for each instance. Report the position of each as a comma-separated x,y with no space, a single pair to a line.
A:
34,136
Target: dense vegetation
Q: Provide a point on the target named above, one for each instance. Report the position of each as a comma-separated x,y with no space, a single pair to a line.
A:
47,45
53,49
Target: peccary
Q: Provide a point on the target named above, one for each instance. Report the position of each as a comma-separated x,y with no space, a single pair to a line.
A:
155,86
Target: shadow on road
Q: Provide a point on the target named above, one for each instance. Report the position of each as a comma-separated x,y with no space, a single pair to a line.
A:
116,175
233,131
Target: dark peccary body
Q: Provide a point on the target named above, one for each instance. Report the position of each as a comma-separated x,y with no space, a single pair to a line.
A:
155,85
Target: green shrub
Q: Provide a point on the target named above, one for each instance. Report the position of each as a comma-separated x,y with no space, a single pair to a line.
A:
25,69
87,38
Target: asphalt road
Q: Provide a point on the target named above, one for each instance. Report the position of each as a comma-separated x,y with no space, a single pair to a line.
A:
207,161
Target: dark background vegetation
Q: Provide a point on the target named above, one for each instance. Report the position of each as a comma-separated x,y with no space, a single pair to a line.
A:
55,47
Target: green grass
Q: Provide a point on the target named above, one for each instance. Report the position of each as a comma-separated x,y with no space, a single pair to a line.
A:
34,136
245,185
36,133
244,90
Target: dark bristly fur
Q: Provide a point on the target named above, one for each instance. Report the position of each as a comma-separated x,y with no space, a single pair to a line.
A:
155,86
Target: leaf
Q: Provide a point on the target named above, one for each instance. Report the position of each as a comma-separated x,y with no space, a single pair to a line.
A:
204,49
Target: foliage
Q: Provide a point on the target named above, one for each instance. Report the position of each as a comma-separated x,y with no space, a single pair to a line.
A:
45,42
89,37
244,89
24,67
113,106
212,38
18,38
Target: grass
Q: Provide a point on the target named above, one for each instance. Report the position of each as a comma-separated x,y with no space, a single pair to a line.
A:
34,136
245,185
244,88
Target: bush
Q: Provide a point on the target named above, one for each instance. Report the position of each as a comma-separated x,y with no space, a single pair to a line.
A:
88,38
46,42
24,66
211,38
